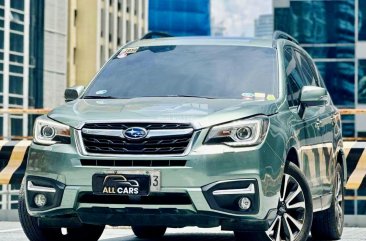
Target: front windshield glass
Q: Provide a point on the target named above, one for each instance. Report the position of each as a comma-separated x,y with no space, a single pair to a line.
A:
223,72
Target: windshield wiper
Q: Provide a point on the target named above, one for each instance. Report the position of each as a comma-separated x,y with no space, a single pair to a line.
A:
99,97
193,96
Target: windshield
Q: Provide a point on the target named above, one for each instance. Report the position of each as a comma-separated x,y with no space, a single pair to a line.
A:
224,72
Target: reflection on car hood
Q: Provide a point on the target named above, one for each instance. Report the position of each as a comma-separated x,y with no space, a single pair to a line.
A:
198,111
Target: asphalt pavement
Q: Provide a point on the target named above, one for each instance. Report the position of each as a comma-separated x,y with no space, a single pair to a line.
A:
12,231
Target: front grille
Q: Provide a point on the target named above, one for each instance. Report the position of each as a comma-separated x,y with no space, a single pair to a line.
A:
152,199
133,163
147,126
103,144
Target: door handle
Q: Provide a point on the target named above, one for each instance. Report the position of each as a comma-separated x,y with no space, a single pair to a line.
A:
333,118
318,124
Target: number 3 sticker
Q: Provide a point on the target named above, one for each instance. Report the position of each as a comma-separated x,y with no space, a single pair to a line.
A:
155,181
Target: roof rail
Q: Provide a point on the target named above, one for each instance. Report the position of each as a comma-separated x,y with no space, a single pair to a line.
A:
282,35
152,35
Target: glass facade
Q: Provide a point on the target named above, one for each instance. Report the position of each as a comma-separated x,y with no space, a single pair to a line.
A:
14,64
36,52
362,81
180,18
327,31
362,20
308,21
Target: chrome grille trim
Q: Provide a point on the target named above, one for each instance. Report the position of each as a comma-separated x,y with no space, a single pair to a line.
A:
132,163
83,152
151,133
151,125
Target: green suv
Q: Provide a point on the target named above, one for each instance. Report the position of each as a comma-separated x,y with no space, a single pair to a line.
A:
206,132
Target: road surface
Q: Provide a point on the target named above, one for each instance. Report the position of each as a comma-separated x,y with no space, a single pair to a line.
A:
12,231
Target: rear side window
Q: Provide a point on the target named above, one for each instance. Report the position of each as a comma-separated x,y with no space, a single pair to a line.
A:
294,79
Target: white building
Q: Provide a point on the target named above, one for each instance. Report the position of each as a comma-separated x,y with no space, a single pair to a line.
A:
97,28
264,26
33,40
54,52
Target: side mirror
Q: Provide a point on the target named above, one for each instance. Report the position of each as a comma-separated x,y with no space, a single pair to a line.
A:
313,96
73,93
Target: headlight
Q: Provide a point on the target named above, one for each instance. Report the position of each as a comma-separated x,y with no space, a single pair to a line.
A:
49,132
248,132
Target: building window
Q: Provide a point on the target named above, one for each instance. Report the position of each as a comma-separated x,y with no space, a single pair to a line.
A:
362,81
119,30
1,39
16,42
74,55
324,52
17,27
75,16
339,78
16,102
17,4
16,126
16,58
1,121
16,69
110,27
119,6
128,31
362,20
102,22
136,31
102,58
16,17
15,85
128,6
1,84
348,125
308,21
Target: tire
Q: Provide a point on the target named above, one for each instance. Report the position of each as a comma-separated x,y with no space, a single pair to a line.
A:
294,211
149,232
328,224
36,233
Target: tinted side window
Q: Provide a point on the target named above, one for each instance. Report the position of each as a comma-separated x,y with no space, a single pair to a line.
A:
289,95
294,78
307,70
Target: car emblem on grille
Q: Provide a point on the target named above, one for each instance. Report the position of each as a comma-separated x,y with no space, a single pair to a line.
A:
135,133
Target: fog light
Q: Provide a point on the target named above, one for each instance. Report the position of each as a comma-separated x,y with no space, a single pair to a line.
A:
244,203
40,200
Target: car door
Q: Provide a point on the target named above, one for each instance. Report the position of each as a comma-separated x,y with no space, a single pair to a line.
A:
306,126
326,122
331,134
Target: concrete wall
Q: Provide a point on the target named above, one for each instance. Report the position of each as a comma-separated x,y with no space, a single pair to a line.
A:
55,52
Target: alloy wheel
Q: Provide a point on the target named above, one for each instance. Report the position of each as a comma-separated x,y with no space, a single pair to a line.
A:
338,201
290,212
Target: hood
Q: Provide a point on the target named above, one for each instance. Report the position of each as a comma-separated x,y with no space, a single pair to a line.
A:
198,111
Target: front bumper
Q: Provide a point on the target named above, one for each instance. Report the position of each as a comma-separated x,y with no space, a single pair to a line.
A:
206,169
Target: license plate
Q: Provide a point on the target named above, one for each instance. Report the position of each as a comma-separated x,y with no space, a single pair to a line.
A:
134,183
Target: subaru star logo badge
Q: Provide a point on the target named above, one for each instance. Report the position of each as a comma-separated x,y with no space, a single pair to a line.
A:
135,133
